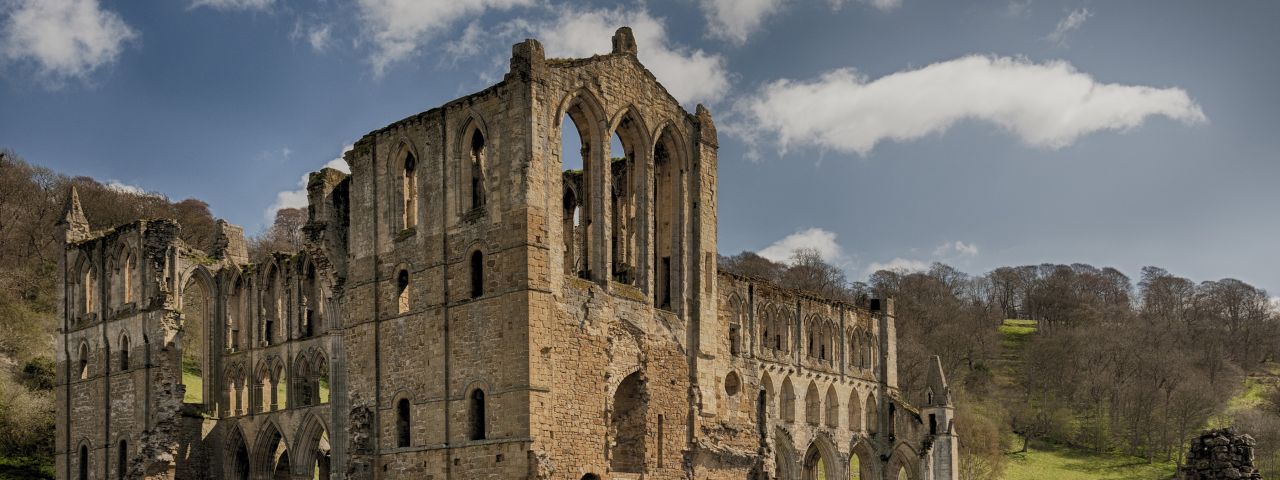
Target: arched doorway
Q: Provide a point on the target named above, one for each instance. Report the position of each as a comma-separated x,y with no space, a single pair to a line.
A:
270,458
862,462
817,466
312,449
237,466
627,426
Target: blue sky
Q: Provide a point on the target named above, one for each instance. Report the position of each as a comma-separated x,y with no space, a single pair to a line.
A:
882,132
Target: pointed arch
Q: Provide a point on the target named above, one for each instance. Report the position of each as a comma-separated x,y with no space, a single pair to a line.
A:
862,460
820,459
270,455
194,338
737,321
473,149
812,404
582,235
312,449
904,461
855,411
628,428
82,359
833,407
271,304
124,351
784,460
407,170
787,401
872,408
627,172
236,463
669,164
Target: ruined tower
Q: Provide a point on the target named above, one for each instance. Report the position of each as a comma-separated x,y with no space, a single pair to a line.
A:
469,304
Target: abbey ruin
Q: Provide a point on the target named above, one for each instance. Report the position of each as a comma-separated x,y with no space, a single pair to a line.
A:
466,307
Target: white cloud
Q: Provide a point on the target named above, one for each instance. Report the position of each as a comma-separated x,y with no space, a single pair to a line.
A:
958,248
233,4
691,75
125,188
1046,105
884,5
399,28
1067,25
64,38
899,264
298,198
823,241
734,20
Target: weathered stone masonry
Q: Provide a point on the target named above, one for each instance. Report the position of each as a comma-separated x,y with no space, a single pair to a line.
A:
466,307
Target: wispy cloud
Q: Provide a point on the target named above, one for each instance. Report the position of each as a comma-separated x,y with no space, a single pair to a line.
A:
1047,105
228,5
297,198
318,36
736,20
1068,24
820,240
956,248
63,39
399,28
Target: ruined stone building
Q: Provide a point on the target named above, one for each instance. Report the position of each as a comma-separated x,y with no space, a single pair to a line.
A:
467,307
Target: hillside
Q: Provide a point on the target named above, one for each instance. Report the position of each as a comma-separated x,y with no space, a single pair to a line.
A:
1046,460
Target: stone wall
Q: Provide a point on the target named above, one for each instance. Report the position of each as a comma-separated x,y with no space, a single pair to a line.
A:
1220,454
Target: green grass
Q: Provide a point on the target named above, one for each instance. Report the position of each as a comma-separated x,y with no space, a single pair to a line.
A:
25,468
1062,463
195,385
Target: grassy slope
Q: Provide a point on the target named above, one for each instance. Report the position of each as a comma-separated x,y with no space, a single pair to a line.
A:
1044,462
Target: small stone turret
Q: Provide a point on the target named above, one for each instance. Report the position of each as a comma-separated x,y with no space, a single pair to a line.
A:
74,225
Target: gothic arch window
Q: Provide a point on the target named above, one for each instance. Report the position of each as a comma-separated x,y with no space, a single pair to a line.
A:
122,460
124,353
83,371
302,382
788,401
833,408
871,407
855,412
476,416
581,151
477,274
84,462
475,166
409,190
403,424
628,152
88,289
812,404
667,176
196,314
402,291
272,306
311,302
321,383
